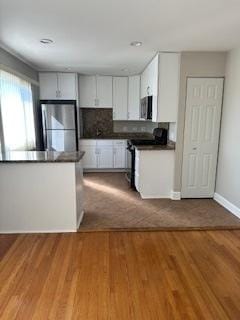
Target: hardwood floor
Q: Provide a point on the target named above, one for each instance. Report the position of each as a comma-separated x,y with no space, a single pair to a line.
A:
121,275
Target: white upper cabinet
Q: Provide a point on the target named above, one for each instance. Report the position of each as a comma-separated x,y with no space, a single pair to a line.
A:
104,92
160,79
67,85
168,87
134,98
87,91
149,79
149,84
95,91
48,85
120,98
57,86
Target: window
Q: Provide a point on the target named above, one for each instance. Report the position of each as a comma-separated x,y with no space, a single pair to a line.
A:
16,108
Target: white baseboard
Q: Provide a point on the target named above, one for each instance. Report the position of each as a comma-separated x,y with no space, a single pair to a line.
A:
227,204
104,170
45,230
175,195
155,196
37,231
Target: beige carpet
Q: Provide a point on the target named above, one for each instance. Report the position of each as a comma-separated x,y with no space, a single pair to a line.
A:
110,204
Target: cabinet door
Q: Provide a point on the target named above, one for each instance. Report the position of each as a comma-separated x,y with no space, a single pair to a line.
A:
134,98
48,85
67,86
105,157
143,90
87,91
119,157
104,92
120,98
90,157
168,97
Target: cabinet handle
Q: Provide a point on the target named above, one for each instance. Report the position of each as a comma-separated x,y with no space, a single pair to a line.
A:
59,93
114,114
128,115
56,93
148,90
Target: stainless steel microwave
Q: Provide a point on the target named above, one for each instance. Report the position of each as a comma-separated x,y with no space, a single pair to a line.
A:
146,108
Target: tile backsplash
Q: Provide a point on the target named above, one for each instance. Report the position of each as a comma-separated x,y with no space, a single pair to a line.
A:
94,120
100,120
134,126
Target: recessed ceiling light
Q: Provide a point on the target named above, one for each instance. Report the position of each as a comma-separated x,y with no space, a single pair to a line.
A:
46,41
136,43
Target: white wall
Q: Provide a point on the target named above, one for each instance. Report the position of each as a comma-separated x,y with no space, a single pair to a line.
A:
14,63
228,171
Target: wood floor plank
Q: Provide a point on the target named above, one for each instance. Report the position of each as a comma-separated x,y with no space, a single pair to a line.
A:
121,275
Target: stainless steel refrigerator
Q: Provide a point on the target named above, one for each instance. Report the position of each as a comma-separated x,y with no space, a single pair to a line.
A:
59,122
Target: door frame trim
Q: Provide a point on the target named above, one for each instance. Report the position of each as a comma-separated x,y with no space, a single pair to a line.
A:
184,123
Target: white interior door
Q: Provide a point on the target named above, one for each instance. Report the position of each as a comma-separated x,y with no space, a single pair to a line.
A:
201,135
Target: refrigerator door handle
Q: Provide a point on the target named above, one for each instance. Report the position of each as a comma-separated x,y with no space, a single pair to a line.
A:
44,131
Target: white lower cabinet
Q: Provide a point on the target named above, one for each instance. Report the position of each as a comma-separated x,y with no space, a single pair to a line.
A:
119,154
103,154
105,157
90,157
154,170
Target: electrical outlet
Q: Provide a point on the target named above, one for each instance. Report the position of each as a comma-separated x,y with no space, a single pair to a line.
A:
143,129
134,129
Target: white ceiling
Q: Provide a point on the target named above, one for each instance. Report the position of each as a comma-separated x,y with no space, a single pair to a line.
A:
93,36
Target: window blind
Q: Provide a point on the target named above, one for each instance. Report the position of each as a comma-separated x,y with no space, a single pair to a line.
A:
16,107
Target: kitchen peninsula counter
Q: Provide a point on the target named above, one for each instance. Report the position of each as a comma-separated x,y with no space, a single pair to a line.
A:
40,191
40,156
169,146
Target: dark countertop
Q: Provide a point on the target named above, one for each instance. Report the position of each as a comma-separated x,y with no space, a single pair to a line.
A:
169,146
121,136
40,156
